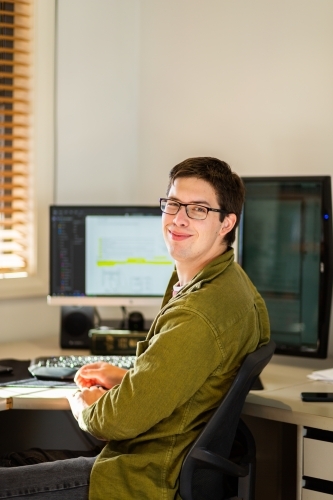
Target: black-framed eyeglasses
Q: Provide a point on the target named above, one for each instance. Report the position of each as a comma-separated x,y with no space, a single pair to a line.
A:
193,211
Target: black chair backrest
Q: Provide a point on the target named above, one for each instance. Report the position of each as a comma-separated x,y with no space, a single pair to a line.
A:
219,433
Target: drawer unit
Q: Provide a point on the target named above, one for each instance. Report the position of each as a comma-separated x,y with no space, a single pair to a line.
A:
315,495
318,459
317,465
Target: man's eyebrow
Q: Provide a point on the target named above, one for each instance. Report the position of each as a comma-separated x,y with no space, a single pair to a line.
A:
195,202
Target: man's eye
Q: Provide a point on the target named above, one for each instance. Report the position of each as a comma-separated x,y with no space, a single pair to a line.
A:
171,204
198,209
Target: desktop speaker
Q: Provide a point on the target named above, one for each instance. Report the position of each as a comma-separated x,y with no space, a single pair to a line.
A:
136,321
75,325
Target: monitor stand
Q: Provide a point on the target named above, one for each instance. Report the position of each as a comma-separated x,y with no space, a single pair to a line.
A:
257,385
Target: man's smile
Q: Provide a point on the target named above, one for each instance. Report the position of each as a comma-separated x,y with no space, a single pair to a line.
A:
177,236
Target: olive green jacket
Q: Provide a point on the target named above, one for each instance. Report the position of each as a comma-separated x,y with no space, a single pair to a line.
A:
184,367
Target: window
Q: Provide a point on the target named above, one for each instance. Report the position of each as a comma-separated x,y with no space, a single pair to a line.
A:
27,40
16,222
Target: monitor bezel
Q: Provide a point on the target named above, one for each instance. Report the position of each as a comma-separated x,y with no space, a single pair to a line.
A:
326,277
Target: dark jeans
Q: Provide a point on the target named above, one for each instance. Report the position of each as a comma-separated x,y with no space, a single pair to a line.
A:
46,475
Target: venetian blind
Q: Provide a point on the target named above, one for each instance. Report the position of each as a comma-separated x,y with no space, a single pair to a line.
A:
15,137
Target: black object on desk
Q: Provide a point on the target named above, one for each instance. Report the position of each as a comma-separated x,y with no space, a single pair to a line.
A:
317,397
19,370
62,373
5,369
21,377
105,341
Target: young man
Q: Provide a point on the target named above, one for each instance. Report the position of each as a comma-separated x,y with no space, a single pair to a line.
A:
211,317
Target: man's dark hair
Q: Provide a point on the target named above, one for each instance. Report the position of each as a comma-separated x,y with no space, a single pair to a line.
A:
227,185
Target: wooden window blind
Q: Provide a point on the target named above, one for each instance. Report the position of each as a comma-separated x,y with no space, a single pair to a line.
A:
15,138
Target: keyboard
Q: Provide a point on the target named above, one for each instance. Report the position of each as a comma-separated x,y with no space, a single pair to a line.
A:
65,367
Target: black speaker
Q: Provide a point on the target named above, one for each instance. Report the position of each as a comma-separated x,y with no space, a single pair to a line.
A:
75,325
136,321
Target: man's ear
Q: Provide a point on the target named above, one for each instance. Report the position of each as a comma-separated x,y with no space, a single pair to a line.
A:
228,223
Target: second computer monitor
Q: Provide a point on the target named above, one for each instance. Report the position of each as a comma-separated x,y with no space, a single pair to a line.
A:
285,246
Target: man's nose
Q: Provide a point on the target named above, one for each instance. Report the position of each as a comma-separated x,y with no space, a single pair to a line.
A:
181,216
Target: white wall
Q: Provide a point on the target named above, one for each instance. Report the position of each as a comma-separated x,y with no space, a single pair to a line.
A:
97,100
144,84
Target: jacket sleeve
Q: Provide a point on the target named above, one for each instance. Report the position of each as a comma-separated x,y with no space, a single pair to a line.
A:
175,364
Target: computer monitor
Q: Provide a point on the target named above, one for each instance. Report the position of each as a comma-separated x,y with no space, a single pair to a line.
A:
107,256
285,246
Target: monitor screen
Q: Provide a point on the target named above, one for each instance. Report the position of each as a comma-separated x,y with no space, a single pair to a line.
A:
107,255
285,246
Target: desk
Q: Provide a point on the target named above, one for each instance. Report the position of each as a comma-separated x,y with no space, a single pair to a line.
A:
271,414
34,423
295,433
35,398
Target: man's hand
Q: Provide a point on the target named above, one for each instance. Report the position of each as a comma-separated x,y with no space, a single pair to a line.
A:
93,380
81,399
102,374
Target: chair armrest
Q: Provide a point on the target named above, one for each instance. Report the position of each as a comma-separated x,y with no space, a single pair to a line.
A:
213,461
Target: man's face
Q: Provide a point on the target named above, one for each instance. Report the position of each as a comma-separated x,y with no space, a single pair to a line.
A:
193,242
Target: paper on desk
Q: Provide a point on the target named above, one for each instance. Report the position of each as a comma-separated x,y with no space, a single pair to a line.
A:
326,375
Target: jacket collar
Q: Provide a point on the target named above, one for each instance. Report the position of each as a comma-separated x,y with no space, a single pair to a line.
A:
209,272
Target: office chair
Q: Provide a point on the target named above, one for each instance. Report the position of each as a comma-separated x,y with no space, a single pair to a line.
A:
220,465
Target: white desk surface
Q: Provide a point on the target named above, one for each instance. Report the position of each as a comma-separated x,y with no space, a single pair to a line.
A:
284,379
